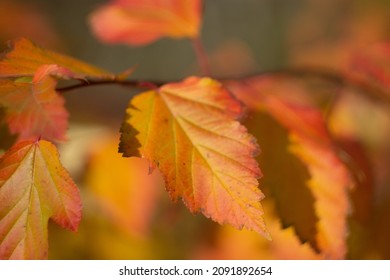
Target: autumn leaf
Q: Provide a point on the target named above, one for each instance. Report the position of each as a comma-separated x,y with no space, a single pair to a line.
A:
188,130
138,22
294,201
34,109
310,141
34,187
23,58
129,197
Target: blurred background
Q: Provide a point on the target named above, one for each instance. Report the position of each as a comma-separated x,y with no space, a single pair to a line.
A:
240,37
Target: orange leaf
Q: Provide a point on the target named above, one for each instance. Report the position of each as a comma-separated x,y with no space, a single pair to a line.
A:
34,109
32,106
34,187
24,58
189,131
129,197
310,141
138,22
330,181
285,177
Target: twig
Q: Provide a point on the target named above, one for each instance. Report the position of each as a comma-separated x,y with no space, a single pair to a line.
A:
342,80
126,83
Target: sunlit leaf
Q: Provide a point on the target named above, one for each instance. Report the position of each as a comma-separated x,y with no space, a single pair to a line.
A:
138,22
188,130
23,58
34,187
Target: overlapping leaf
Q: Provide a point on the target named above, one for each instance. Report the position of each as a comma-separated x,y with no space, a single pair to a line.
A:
310,142
34,109
285,177
34,187
188,130
138,22
32,106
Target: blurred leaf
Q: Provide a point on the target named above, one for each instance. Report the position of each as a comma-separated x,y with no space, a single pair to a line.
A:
233,244
363,128
188,130
137,22
285,177
310,141
34,187
130,197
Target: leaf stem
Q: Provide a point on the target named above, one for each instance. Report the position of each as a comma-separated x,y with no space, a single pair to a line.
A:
201,56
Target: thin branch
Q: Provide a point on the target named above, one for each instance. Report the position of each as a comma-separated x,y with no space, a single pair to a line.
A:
342,80
126,83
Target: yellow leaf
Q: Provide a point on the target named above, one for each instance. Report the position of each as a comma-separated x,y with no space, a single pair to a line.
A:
24,58
188,130
130,197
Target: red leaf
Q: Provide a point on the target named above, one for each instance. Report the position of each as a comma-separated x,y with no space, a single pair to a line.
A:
34,109
138,22
310,141
34,187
